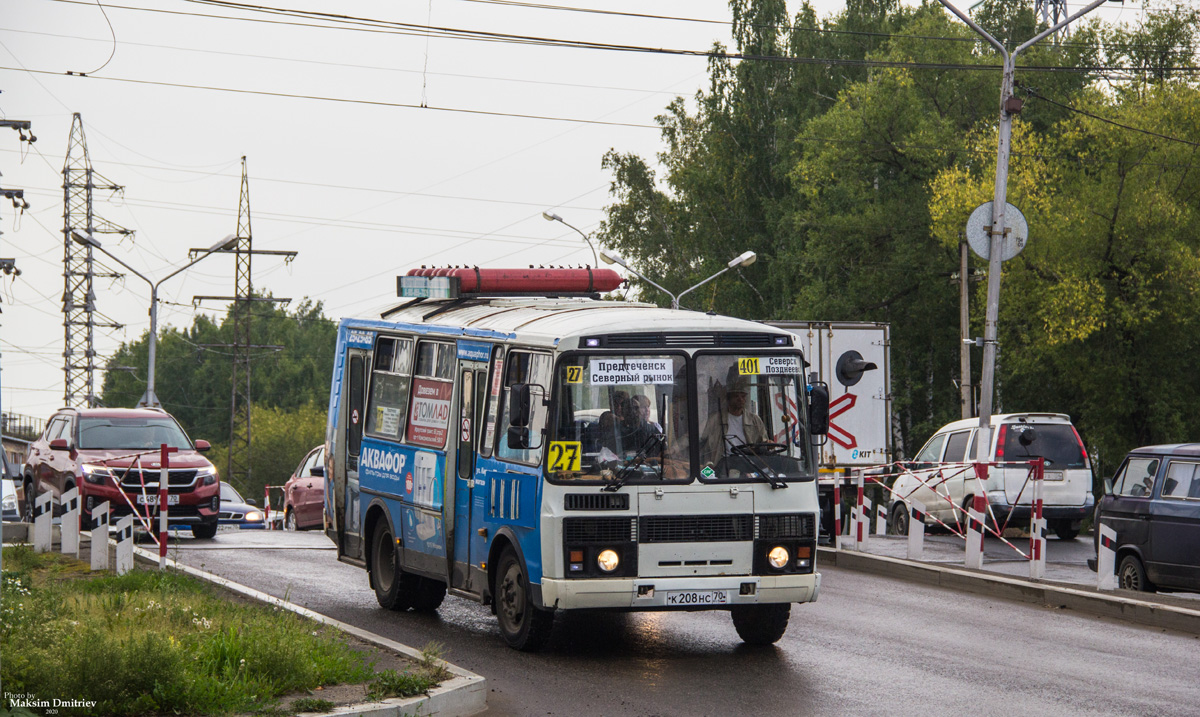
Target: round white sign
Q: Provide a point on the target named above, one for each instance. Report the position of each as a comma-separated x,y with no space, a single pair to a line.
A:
1015,238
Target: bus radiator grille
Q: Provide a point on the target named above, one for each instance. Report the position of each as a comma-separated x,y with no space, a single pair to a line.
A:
695,528
586,531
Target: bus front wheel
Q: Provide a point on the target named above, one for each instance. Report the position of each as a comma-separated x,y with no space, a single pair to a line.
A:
523,625
761,624
386,575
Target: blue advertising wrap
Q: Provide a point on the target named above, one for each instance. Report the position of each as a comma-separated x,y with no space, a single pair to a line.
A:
473,351
415,477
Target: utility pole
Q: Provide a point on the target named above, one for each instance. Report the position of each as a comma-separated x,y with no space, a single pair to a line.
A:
79,297
243,299
9,267
1009,106
967,395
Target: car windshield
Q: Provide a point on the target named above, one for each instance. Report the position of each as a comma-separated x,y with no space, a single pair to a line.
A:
229,495
620,418
751,417
1056,442
131,433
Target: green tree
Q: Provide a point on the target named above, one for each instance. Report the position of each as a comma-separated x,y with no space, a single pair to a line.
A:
280,438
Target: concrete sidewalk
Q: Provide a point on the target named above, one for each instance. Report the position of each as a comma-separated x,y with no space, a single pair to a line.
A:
1068,583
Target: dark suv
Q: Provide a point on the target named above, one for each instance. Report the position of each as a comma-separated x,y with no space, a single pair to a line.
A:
113,454
1153,505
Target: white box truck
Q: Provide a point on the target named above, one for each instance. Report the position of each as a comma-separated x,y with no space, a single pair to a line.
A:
854,359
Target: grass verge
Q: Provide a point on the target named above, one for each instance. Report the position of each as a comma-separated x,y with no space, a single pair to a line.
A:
151,642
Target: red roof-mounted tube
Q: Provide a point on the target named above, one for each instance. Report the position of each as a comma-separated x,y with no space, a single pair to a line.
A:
529,281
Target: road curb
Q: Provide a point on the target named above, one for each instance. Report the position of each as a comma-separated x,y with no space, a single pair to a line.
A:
465,694
1093,602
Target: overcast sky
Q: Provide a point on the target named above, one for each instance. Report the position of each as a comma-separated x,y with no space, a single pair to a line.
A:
346,166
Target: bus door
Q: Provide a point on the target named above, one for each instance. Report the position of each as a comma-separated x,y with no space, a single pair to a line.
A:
472,398
347,499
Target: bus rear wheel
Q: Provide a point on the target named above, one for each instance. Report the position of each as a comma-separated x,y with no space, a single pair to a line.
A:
761,624
523,626
391,590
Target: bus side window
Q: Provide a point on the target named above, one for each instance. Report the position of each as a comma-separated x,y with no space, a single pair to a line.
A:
532,369
355,426
390,383
495,384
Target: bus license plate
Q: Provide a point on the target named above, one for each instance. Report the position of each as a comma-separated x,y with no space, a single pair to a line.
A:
698,597
152,499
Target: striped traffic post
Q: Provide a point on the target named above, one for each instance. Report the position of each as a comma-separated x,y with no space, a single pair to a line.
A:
1106,558
916,529
974,555
837,515
43,527
124,545
70,523
860,513
1037,524
100,537
165,452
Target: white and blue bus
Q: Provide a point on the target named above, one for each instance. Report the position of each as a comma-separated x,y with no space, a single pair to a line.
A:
559,452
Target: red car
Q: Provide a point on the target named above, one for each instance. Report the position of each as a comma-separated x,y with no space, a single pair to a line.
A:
98,449
304,493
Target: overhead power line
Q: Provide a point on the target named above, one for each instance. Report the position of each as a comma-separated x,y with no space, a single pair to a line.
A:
350,22
1034,93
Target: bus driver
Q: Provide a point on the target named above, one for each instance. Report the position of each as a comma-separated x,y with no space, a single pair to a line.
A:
732,426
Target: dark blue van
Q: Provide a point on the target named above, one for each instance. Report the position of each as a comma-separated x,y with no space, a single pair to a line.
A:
1153,504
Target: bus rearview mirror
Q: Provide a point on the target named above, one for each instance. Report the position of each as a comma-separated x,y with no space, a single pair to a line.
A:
818,410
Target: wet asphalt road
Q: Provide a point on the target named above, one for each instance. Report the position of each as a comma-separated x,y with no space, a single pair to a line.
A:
870,645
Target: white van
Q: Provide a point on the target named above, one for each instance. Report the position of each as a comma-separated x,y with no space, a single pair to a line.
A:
941,476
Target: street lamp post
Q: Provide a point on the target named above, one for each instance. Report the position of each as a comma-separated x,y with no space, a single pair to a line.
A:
555,218
743,259
150,399
1009,106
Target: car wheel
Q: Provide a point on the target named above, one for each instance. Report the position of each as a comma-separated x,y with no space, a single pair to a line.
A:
761,624
898,525
204,531
27,509
523,626
1064,530
386,575
289,520
1132,576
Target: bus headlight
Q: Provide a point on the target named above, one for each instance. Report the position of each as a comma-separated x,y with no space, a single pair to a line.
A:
778,557
608,560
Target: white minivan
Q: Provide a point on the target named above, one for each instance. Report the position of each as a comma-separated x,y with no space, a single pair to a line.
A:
941,477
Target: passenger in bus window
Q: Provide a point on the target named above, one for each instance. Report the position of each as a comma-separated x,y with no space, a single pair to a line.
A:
732,425
642,406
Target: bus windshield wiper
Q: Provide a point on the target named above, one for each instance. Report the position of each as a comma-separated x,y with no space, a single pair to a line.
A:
629,468
749,452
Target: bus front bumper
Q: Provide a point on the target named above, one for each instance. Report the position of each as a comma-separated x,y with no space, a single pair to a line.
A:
698,593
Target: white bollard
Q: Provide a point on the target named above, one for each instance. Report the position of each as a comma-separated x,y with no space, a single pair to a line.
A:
100,537
1037,562
974,554
1106,558
916,529
43,525
69,527
124,545
881,516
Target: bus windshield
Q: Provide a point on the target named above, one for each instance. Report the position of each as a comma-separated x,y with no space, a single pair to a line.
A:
620,418
750,410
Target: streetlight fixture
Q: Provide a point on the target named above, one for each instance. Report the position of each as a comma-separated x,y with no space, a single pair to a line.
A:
555,218
743,259
746,258
1009,106
150,399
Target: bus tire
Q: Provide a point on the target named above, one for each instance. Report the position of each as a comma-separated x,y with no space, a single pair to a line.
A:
761,624
428,593
391,589
523,626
